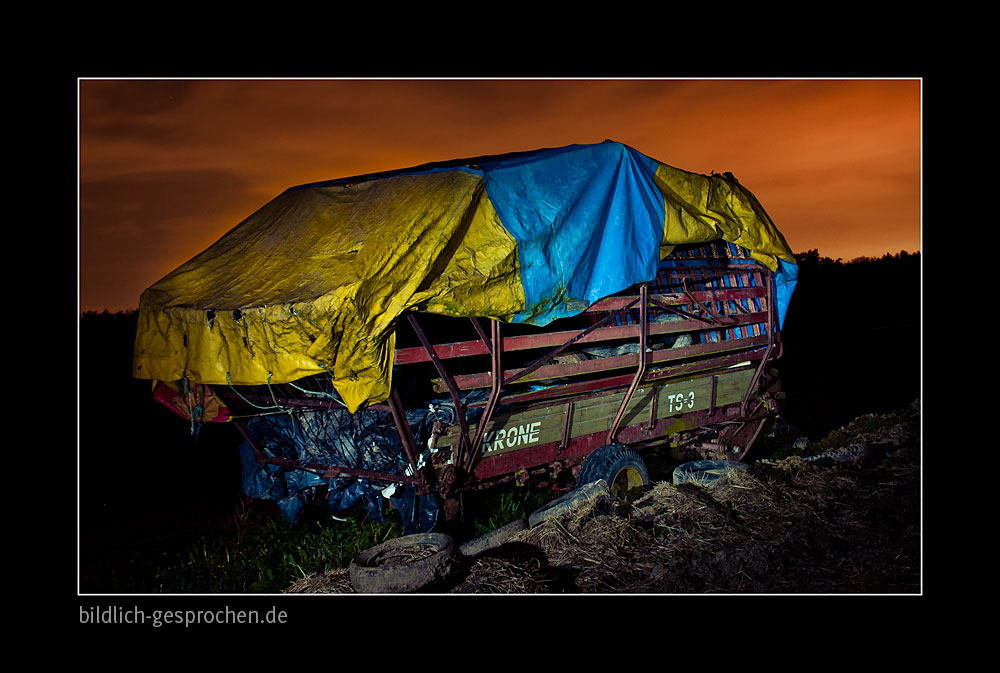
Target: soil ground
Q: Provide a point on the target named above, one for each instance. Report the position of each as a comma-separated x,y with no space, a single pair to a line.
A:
846,522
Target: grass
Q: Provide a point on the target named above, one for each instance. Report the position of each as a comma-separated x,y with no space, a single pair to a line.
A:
266,560
503,504
274,556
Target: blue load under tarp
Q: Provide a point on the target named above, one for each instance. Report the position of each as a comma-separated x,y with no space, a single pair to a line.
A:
365,440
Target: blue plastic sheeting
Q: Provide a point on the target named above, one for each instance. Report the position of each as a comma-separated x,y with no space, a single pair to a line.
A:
588,221
271,482
784,280
365,440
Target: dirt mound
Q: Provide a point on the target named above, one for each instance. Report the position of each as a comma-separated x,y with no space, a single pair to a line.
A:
832,522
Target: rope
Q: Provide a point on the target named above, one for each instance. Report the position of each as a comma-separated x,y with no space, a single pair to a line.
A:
318,393
190,400
273,399
248,401
192,407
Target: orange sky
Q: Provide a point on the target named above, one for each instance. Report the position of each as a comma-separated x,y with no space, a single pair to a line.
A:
167,167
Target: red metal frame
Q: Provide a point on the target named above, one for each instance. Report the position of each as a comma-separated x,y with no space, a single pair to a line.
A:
643,358
715,311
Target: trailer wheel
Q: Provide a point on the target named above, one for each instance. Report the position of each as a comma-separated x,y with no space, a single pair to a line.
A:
404,564
623,469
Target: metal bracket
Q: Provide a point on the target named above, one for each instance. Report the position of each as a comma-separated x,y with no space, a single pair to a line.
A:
463,446
495,344
641,373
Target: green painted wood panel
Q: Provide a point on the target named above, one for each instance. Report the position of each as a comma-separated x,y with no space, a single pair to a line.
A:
515,429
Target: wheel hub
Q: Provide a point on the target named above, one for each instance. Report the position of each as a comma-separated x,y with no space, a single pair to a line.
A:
626,483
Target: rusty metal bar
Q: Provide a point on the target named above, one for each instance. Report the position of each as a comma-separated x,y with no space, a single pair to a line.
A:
622,381
716,294
496,372
482,334
706,307
751,330
567,427
708,317
652,406
753,438
770,346
482,380
553,339
641,373
334,471
243,431
729,280
558,349
676,311
403,428
463,442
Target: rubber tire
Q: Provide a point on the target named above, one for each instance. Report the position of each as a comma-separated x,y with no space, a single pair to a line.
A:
370,578
705,473
568,501
492,539
608,462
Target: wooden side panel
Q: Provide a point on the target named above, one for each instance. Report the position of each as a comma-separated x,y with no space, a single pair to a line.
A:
515,429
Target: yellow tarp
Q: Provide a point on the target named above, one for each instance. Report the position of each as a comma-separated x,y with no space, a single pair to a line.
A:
319,280
702,208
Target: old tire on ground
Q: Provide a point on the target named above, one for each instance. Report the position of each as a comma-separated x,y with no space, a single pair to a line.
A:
705,472
568,501
623,469
492,539
404,564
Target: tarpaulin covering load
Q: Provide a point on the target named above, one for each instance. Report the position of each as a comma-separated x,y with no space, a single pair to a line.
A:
315,280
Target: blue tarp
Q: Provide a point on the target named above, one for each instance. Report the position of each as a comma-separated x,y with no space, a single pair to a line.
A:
365,440
588,221
784,280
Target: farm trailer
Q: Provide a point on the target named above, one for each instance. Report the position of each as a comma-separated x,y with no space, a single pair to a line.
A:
668,341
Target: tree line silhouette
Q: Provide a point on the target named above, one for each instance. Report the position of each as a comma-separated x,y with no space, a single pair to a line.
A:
812,258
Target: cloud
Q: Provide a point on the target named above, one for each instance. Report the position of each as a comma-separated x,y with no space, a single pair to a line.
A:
132,109
136,228
168,166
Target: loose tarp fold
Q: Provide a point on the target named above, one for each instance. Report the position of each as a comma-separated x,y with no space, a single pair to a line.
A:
315,280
